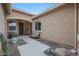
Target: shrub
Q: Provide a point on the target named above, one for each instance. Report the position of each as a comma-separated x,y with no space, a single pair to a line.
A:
4,45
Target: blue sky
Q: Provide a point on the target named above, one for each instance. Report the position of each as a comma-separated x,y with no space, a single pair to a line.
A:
34,8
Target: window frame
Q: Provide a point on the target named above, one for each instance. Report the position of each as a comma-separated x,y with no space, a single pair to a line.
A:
37,26
9,27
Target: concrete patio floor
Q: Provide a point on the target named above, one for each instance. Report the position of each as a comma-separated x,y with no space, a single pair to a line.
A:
32,48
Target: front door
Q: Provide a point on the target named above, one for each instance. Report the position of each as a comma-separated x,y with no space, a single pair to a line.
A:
21,28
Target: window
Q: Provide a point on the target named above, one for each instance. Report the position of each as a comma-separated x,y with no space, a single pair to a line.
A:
12,25
38,26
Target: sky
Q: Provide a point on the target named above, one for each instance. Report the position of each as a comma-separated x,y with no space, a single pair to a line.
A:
34,8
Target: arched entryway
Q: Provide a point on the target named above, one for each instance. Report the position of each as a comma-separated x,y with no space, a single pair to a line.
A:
19,27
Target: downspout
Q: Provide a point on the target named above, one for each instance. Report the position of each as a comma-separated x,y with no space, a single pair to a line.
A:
76,25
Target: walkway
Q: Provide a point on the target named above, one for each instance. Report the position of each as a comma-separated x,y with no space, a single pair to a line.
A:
32,48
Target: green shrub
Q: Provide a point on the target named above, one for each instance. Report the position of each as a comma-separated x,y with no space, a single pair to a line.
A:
4,45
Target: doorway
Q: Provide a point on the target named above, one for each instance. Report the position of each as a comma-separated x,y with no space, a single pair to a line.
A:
21,28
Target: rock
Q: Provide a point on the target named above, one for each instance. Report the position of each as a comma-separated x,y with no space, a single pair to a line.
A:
61,52
72,52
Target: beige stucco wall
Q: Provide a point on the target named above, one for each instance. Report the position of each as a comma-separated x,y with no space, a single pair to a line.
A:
78,30
27,27
2,21
20,16
58,25
78,18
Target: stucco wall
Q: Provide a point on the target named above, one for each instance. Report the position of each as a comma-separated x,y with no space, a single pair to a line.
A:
78,18
27,27
2,21
58,25
20,16
78,30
